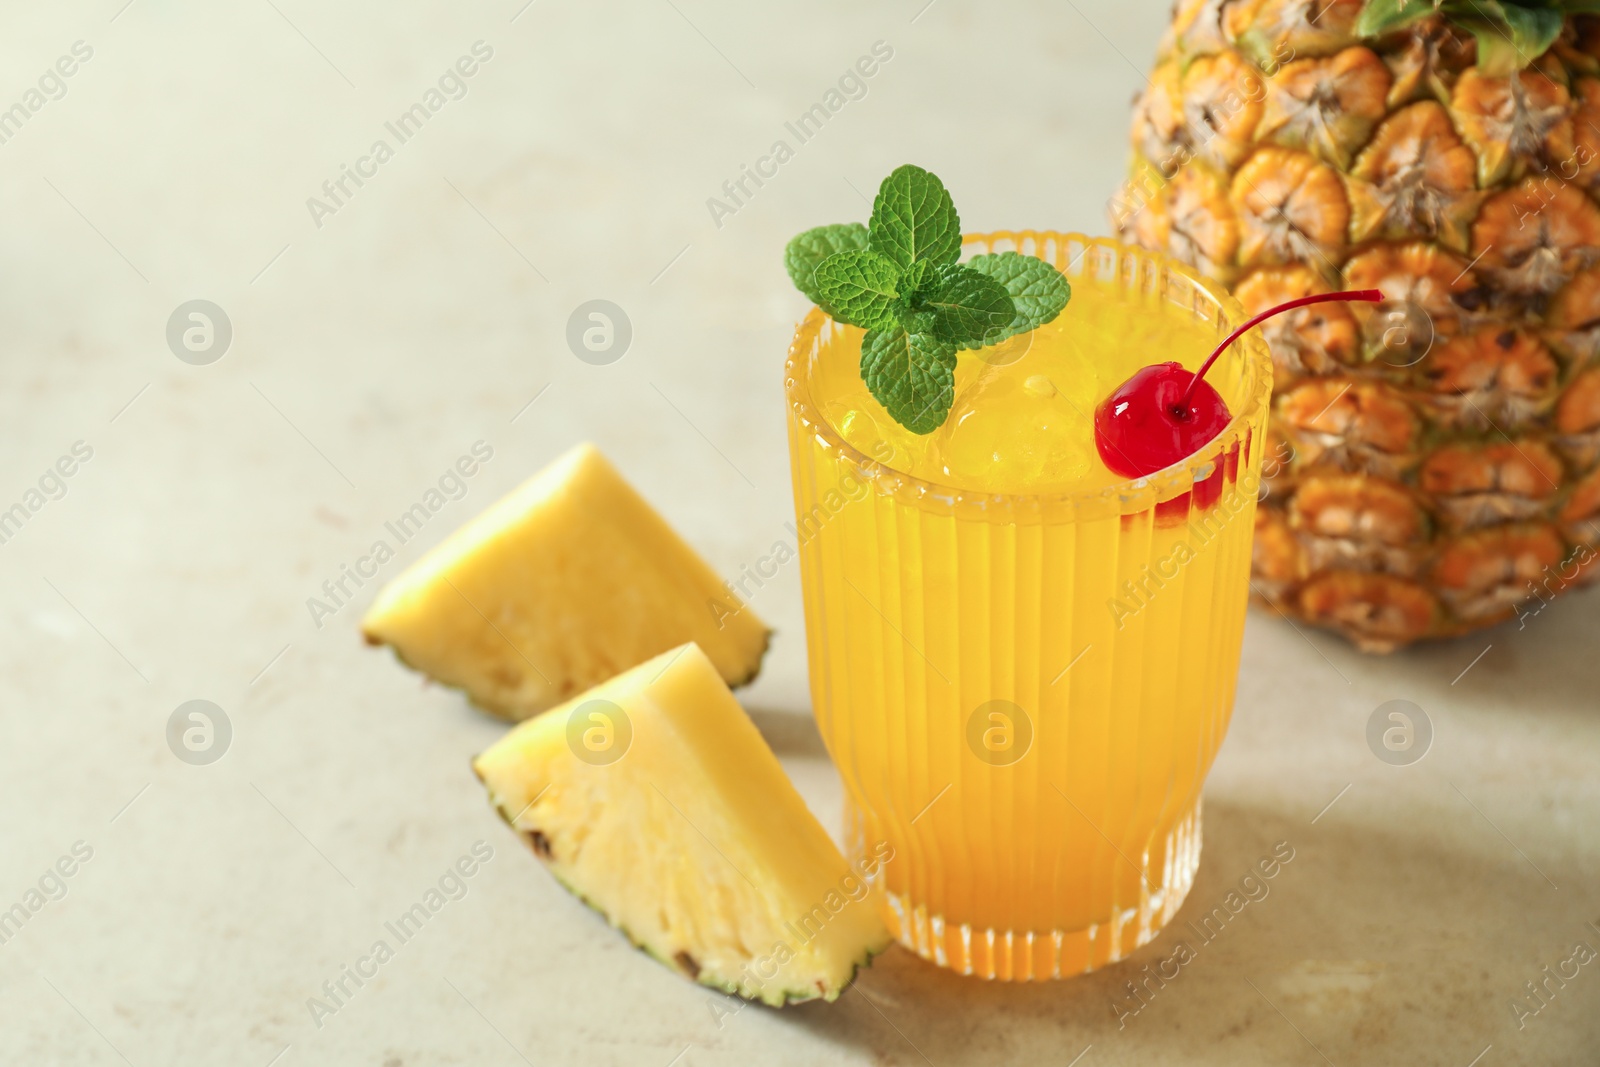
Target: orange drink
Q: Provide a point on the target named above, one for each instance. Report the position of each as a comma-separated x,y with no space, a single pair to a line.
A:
1021,663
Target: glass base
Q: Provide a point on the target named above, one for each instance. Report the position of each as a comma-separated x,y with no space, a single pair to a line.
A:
1035,955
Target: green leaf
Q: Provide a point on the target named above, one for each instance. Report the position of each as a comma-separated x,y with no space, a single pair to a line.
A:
917,320
1497,56
807,251
859,287
1037,288
1384,16
920,275
1510,36
966,305
911,375
913,219
1533,30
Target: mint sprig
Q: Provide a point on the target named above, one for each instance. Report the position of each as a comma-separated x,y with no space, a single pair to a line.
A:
899,279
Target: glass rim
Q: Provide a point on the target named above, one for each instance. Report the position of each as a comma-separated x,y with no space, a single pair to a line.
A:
1128,496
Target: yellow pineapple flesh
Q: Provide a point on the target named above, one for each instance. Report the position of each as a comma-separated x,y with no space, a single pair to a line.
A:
566,581
1435,459
654,799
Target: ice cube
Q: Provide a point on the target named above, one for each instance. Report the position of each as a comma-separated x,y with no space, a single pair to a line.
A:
1014,431
877,436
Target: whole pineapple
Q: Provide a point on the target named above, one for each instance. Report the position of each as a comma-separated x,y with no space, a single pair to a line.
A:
1434,461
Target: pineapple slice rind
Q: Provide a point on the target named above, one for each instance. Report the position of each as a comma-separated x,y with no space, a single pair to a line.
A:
564,582
691,839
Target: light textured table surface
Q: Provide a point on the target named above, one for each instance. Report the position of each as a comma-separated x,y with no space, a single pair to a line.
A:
422,316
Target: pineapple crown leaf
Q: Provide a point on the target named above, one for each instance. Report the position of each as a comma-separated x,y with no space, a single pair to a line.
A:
1511,34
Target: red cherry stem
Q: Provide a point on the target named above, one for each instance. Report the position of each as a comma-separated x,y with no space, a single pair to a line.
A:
1371,296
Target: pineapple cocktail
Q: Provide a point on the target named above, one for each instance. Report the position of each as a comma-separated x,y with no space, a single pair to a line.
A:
1022,662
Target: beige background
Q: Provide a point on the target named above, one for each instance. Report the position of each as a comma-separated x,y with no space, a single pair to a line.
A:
370,352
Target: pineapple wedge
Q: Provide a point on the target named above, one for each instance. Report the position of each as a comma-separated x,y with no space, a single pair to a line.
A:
566,581
656,801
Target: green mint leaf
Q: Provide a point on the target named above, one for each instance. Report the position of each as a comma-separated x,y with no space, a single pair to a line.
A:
967,305
913,219
917,278
911,375
859,287
807,251
917,320
1037,288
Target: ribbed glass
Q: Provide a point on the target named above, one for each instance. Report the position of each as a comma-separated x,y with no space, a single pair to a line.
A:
1023,694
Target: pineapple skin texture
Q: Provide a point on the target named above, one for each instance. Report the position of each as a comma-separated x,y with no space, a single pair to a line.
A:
693,842
1432,461
564,582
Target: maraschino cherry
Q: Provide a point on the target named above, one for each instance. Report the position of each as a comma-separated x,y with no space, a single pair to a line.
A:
1163,413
